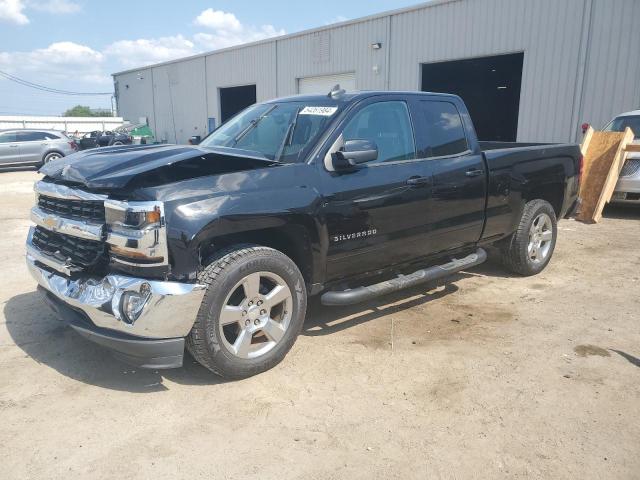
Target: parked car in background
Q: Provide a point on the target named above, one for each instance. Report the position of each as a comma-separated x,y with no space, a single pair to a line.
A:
628,186
104,139
33,147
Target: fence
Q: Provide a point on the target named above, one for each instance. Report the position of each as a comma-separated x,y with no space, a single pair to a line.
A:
66,124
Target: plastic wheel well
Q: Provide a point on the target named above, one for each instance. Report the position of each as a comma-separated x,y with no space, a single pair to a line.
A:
292,240
550,192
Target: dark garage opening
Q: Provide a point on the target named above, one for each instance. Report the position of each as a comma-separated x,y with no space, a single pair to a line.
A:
490,86
235,99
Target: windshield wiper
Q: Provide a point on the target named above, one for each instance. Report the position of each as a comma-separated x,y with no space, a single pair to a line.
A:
252,125
288,137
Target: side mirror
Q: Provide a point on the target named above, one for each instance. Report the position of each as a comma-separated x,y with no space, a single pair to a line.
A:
195,140
353,153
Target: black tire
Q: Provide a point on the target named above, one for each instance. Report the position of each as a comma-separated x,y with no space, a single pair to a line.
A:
51,156
205,342
514,251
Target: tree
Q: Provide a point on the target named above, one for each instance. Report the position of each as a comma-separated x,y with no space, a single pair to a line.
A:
84,111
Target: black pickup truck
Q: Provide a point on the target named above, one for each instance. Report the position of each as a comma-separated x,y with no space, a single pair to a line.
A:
146,249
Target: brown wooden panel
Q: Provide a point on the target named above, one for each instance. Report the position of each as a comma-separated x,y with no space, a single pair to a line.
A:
603,158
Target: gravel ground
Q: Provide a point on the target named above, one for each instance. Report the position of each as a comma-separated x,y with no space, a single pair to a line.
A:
489,376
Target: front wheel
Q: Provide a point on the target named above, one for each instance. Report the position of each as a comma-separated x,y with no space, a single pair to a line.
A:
529,250
252,312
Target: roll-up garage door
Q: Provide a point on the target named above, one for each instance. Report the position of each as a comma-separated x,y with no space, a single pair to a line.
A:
326,82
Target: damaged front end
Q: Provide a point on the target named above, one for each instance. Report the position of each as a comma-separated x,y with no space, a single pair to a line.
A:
120,169
100,252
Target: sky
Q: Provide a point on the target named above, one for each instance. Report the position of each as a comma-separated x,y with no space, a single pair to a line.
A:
75,45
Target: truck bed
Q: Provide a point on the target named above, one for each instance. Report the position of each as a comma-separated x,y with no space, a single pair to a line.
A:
501,155
517,170
487,145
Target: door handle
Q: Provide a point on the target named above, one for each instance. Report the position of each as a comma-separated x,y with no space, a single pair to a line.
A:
418,181
13,146
474,173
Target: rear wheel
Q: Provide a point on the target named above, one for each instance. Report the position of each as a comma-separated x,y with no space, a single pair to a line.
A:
252,312
529,249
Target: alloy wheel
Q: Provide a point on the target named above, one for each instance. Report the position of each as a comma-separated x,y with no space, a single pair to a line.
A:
256,315
540,238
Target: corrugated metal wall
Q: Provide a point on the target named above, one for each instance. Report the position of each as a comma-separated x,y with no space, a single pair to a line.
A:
134,93
612,80
179,95
341,49
545,30
243,66
581,62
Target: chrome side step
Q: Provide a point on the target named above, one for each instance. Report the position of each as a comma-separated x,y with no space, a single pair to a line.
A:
361,294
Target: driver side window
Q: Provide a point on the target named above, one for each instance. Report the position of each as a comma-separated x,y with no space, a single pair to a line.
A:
388,125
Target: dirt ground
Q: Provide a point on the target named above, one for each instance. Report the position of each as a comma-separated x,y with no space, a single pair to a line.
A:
489,376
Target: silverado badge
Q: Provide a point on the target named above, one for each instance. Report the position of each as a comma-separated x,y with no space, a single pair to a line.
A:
341,237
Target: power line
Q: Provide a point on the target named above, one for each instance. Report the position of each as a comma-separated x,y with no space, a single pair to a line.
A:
44,88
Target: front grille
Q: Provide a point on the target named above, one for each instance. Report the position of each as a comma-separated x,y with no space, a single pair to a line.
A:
80,252
91,210
630,167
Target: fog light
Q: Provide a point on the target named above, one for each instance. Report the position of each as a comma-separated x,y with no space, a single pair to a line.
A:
133,303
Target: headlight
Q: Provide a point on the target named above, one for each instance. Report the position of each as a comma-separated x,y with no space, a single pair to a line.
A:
136,232
134,215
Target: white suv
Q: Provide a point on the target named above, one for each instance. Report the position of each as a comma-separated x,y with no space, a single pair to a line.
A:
33,147
628,186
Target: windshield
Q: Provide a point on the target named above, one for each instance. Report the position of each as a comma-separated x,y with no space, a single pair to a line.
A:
279,131
620,123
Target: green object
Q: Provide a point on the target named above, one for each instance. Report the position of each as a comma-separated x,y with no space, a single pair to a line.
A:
141,131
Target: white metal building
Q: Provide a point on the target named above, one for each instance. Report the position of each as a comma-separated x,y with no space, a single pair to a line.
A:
529,70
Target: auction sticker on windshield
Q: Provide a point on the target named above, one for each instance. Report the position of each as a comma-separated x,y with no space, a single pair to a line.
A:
324,111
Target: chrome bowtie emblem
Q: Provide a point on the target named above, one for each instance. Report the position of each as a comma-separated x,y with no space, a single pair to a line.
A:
50,222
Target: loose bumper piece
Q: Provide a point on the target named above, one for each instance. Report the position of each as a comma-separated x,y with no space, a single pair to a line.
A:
140,352
169,308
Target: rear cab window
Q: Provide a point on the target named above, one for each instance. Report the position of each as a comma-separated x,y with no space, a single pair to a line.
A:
439,131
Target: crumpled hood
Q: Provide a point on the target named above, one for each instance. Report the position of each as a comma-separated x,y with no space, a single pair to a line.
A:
115,167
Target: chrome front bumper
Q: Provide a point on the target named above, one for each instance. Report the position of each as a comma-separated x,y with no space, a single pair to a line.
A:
169,312
627,190
628,187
